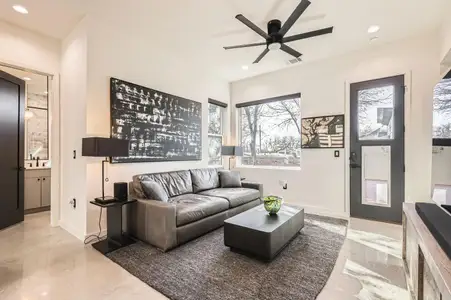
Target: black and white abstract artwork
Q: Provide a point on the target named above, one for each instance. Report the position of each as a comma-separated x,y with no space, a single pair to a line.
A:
323,132
160,126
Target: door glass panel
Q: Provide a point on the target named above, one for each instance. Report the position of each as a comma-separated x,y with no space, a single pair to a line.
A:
376,192
375,111
376,175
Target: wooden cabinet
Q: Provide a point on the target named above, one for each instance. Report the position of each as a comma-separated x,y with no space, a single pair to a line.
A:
428,269
37,189
45,191
32,193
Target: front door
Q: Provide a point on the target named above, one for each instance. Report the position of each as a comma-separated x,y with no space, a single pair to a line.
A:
12,109
377,149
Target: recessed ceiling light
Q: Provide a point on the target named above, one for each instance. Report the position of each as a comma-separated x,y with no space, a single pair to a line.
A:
26,78
20,9
245,67
373,29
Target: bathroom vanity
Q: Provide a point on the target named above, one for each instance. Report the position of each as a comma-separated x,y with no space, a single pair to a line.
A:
37,190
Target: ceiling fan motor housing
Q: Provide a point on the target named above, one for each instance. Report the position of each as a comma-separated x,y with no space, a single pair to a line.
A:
273,32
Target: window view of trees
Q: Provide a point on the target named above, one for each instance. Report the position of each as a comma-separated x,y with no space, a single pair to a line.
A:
214,134
375,108
271,133
442,110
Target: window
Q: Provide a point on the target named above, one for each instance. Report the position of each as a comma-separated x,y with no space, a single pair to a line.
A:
215,131
270,132
375,109
442,112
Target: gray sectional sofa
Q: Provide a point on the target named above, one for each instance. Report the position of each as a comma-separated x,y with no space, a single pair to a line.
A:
190,203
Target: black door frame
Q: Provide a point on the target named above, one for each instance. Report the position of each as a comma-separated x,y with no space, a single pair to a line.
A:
400,81
17,216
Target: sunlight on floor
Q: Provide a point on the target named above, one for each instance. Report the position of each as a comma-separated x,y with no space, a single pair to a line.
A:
374,286
377,242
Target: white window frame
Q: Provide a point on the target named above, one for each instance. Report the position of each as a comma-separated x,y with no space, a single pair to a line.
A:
213,135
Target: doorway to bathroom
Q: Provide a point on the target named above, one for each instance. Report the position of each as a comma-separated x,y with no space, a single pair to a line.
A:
30,168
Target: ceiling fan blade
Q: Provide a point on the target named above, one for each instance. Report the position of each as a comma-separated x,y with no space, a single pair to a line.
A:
294,16
252,26
308,35
244,46
290,51
261,56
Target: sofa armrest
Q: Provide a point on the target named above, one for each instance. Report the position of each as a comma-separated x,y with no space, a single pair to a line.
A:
253,185
154,222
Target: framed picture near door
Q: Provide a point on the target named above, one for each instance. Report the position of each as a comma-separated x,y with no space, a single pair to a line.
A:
323,132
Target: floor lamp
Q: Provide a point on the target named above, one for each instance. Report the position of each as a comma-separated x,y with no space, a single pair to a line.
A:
104,147
231,151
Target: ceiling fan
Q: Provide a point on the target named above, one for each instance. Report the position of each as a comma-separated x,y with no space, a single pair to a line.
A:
275,38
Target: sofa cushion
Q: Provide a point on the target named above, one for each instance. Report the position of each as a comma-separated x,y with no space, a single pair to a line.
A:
173,183
154,191
194,207
204,179
235,196
230,179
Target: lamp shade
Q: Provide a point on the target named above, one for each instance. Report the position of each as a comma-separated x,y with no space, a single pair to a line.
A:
231,151
104,147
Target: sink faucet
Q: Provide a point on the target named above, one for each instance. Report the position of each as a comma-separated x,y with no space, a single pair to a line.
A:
37,161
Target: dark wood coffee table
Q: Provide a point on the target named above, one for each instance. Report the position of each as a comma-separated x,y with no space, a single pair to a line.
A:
256,233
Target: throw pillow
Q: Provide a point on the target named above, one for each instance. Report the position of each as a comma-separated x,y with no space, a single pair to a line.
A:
154,191
230,179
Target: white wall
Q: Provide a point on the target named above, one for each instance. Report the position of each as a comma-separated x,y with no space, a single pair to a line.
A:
74,70
26,49
445,39
133,56
321,183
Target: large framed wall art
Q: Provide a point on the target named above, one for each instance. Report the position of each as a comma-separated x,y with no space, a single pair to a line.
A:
323,132
160,126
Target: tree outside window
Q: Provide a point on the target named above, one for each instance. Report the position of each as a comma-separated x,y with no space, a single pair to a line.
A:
215,129
442,110
271,133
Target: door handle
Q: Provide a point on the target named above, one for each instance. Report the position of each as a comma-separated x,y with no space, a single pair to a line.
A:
19,169
353,161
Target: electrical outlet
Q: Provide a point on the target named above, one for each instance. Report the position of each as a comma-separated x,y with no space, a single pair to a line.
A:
284,184
73,203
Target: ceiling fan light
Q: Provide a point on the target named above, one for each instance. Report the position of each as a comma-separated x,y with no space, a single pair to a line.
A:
274,46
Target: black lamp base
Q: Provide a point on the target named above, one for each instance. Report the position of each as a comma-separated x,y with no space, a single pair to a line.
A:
105,200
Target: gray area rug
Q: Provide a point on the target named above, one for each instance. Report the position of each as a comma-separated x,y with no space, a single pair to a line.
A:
206,269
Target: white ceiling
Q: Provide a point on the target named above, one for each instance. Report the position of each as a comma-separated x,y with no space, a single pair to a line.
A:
202,27
54,18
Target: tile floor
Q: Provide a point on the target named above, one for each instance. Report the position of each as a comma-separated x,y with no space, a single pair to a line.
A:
39,262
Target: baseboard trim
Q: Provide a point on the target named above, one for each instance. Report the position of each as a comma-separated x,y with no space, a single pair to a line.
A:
71,230
102,233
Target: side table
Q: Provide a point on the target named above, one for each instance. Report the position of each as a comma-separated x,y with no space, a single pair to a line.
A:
115,238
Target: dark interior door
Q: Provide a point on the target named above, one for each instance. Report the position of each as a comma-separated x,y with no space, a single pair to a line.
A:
377,149
12,109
